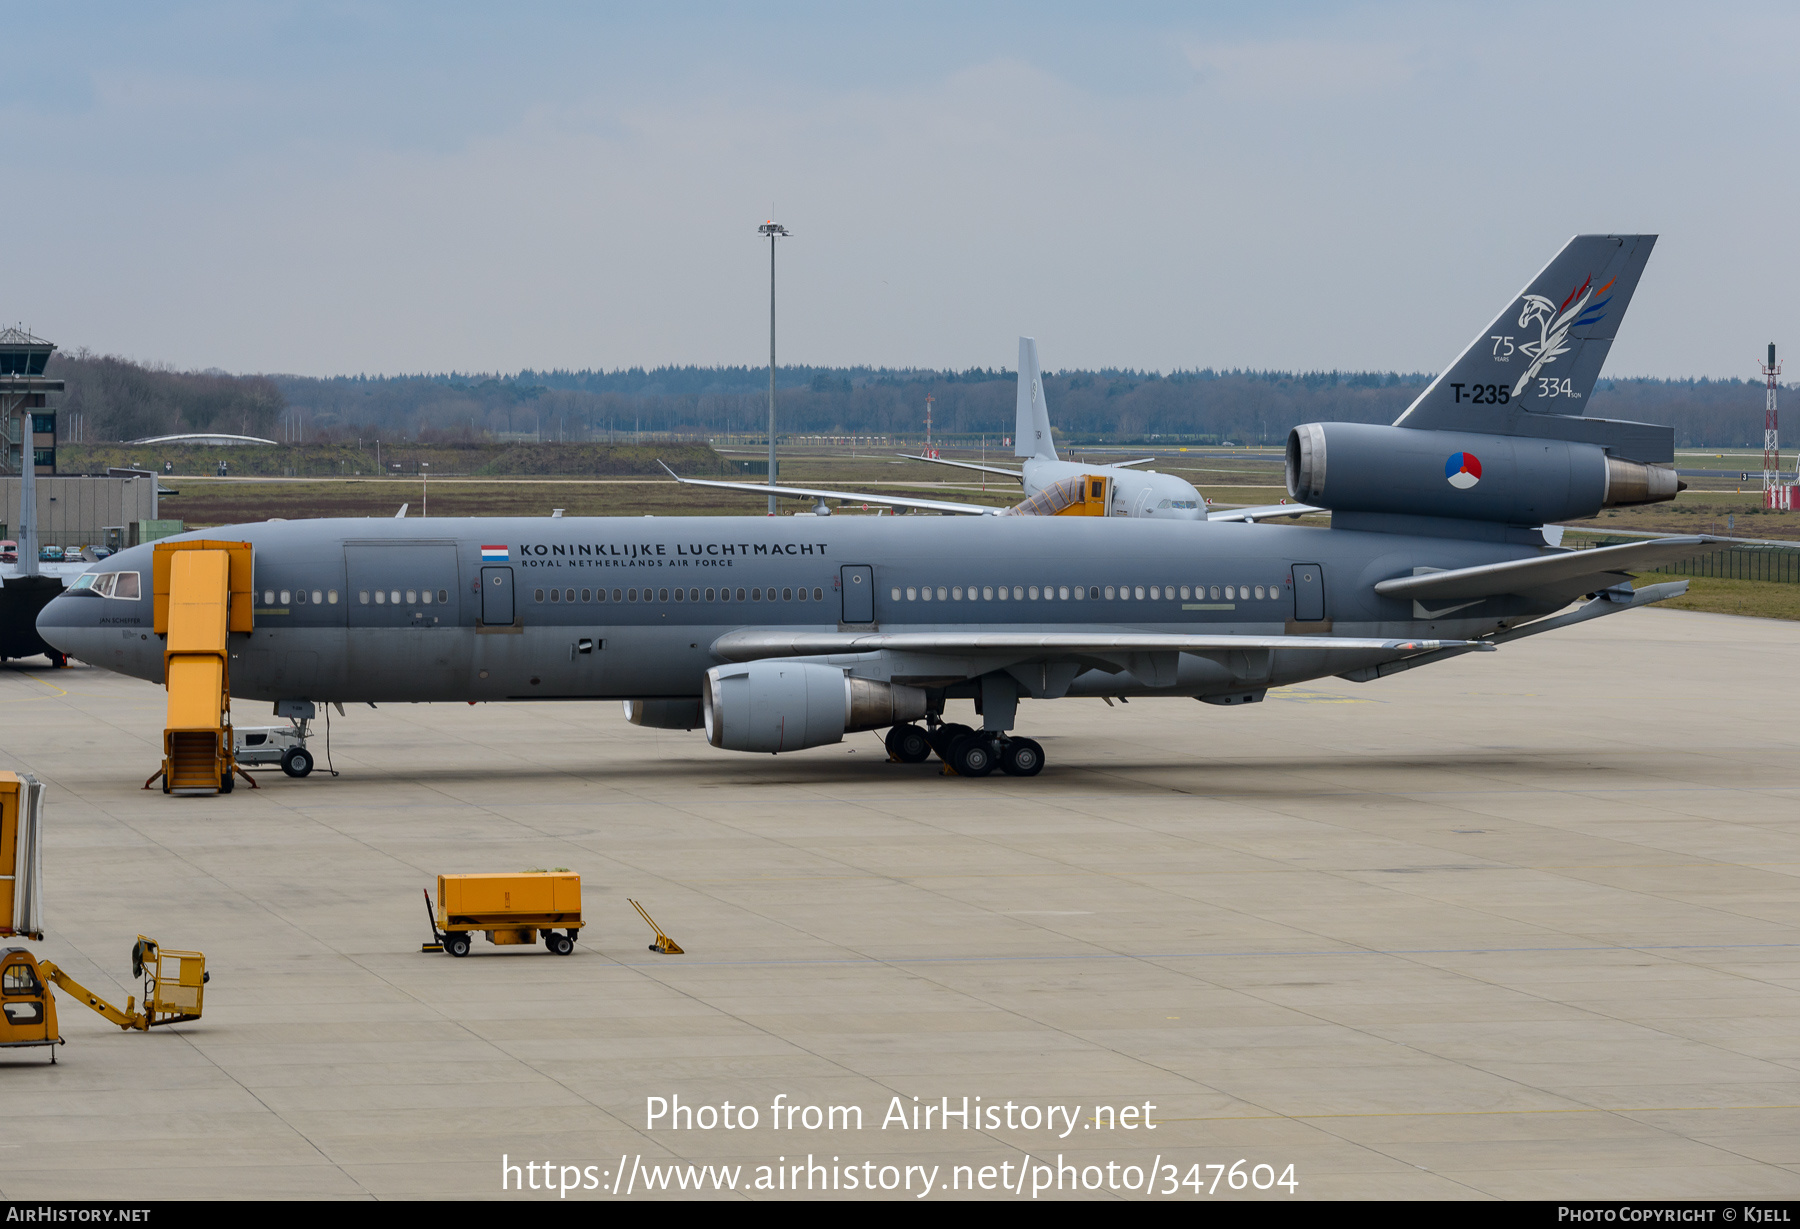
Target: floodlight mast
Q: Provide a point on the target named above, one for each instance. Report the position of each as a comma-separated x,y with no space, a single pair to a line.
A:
774,232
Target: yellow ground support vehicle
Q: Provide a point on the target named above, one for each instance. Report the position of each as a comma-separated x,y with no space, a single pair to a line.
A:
509,909
174,990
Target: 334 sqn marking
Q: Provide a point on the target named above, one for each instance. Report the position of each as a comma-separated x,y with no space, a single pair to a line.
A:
1584,306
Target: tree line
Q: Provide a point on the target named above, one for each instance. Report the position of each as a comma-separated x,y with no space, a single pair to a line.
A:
110,398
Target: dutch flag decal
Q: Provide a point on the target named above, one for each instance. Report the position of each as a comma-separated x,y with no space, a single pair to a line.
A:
494,554
1462,470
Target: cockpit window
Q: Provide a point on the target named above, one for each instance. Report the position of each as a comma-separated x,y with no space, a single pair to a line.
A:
111,584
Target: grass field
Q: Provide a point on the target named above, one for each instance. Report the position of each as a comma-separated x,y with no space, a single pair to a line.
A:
1756,598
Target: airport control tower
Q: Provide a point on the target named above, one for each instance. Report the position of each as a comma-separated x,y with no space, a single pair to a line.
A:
27,431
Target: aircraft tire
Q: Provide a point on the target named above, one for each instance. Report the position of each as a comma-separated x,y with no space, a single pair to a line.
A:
457,943
57,660
228,784
972,755
296,761
944,737
908,744
562,945
1023,757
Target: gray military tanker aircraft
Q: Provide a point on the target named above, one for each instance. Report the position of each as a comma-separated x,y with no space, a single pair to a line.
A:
785,633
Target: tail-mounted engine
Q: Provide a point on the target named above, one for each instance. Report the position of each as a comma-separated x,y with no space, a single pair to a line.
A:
785,706
1357,467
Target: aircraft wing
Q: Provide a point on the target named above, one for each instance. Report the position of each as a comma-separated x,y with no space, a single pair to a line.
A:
752,645
1604,566
854,497
1264,512
1014,474
1129,464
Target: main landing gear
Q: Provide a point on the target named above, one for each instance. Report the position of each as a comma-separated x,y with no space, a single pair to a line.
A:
968,752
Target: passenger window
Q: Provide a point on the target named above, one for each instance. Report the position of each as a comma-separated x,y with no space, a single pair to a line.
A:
631,595
800,593
412,597
126,586
287,596
925,594
425,597
1259,593
1018,593
586,595
1230,594
740,595
1215,593
1063,593
331,597
787,595
693,595
568,595
987,593
556,595
1032,592
300,597
381,597
709,595
317,597
896,595
1110,593
1155,594
943,594
818,594
912,594
617,596
956,593
363,597
1138,593
394,596
268,597
1184,593
537,595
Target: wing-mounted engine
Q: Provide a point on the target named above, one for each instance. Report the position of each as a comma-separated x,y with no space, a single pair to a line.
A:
1518,480
785,706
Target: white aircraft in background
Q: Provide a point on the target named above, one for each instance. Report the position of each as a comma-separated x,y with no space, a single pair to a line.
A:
1131,492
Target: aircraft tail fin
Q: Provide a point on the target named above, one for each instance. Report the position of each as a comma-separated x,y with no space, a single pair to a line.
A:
1031,436
1543,354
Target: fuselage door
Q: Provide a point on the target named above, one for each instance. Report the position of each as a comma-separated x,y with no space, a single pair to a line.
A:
1309,593
857,580
497,597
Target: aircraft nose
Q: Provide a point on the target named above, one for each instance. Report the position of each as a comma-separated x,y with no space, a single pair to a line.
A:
70,625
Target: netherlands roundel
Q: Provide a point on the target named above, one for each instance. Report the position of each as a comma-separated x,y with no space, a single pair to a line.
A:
1462,470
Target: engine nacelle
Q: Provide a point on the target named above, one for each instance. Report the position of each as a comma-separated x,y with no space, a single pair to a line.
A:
785,706
1357,467
665,714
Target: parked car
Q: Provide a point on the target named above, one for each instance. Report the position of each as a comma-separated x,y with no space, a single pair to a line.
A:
9,551
50,554
97,553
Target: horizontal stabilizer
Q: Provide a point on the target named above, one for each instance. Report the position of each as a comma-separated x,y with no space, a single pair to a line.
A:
1264,512
754,645
1603,566
849,497
1014,474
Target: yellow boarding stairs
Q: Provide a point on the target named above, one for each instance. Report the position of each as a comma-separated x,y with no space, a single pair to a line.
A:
1082,495
201,594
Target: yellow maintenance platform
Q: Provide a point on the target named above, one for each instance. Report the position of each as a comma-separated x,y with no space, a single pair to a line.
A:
174,990
509,909
201,594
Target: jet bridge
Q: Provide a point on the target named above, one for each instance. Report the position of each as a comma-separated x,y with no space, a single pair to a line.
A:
201,594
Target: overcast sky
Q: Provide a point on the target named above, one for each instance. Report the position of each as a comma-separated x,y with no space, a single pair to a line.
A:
391,188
